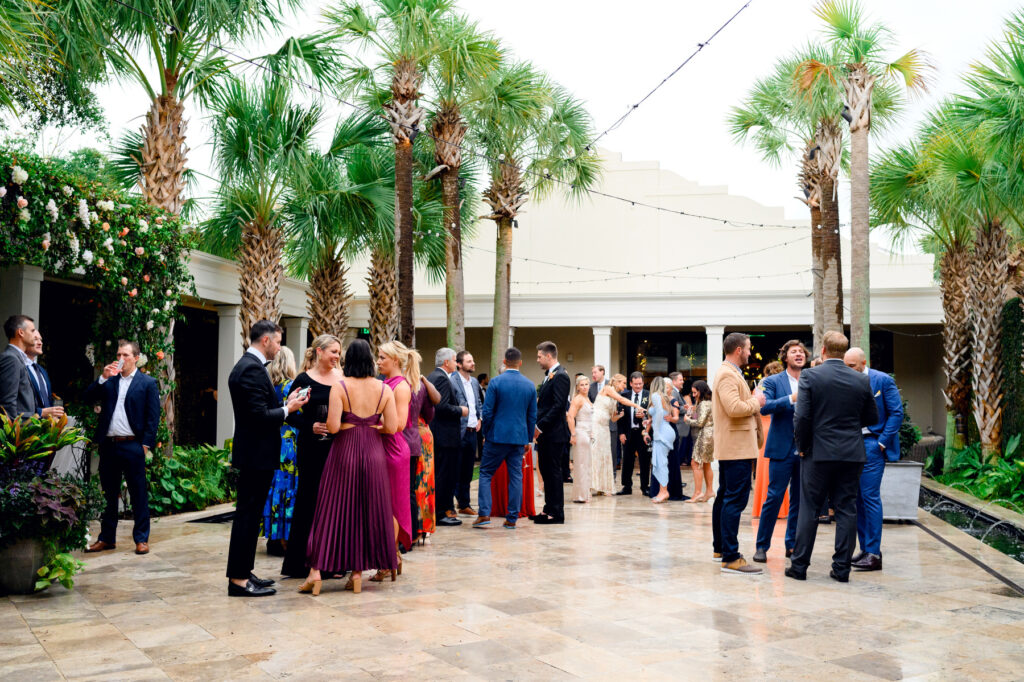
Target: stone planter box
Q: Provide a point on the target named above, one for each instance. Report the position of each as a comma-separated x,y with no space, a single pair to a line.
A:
901,488
18,565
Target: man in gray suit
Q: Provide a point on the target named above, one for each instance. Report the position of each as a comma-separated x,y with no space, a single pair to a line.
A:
16,395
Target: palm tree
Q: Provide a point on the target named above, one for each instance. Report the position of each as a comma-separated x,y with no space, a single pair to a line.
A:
184,40
405,33
533,131
859,47
337,195
913,199
467,56
261,145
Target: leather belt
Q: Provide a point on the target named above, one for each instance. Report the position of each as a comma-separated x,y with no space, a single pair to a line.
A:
121,439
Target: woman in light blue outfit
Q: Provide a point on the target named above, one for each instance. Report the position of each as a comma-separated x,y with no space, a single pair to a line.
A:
663,436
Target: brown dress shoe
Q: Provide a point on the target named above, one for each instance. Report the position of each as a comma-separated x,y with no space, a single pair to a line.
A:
100,546
142,548
467,511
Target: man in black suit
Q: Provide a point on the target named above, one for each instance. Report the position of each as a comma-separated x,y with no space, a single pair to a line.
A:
255,452
633,437
833,404
126,432
551,432
446,427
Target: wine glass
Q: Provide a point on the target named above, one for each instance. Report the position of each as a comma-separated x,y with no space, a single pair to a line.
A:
321,413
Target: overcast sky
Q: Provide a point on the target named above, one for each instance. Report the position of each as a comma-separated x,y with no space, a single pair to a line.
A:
611,54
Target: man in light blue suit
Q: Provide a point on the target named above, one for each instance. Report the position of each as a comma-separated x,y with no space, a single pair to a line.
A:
509,416
882,444
780,448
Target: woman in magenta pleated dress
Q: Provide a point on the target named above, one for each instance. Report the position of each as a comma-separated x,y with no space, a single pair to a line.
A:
392,359
353,528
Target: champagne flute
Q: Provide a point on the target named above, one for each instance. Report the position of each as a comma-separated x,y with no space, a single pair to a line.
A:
321,412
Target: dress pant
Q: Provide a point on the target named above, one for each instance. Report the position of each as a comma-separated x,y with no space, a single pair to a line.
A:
869,499
251,494
549,456
446,471
716,517
311,469
734,490
126,460
467,460
781,473
635,448
493,456
616,447
840,481
566,469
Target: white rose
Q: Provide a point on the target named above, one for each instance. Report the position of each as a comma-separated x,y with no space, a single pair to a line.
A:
67,190
169,293
93,215
105,205
142,356
25,215
90,353
51,208
87,257
83,212
149,324
18,175
3,192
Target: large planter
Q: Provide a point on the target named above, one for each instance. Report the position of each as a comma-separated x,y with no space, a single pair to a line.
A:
18,565
901,488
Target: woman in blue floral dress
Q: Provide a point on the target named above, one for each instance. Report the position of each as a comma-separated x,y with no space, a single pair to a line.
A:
277,512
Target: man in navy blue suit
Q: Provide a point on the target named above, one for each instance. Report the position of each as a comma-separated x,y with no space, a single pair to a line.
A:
41,385
509,416
882,444
126,432
780,392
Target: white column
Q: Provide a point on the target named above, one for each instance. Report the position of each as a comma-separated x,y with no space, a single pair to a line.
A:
715,333
297,328
229,349
19,293
603,347
511,336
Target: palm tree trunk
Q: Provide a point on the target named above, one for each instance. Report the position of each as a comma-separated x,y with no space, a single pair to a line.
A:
380,280
956,334
502,292
454,290
831,259
162,162
329,299
404,242
259,281
987,281
817,277
860,250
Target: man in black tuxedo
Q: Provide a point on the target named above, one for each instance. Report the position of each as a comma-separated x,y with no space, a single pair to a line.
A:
633,437
126,432
255,452
446,427
551,432
833,404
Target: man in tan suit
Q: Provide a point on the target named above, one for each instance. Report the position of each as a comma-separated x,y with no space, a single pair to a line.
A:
736,413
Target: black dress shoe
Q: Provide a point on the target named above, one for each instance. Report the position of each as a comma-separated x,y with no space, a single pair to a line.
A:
838,578
646,492
789,552
760,556
567,479
868,562
251,589
795,574
825,520
548,520
260,582
625,491
539,518
857,557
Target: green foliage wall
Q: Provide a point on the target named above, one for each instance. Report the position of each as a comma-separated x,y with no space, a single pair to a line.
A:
1013,380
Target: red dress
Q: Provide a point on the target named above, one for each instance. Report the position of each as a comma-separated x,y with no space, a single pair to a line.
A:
499,488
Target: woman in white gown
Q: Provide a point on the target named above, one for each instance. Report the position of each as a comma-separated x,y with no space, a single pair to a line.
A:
602,468
580,418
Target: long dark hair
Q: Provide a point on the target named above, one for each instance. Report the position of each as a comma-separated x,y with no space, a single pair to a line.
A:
703,390
359,362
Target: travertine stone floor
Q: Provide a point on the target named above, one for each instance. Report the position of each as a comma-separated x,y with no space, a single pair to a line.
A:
624,590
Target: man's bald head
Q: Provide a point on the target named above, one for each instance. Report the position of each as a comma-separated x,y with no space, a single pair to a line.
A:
856,359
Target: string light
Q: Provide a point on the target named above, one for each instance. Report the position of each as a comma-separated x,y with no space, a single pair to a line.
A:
716,278
500,160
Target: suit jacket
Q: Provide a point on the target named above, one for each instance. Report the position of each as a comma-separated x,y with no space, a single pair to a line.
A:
446,426
460,391
258,416
141,406
45,389
833,404
645,401
890,413
510,409
551,401
592,392
682,428
17,396
781,441
736,414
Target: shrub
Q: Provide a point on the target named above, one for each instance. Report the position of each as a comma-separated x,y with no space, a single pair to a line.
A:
190,479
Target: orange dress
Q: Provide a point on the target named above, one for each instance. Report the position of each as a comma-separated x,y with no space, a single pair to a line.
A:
761,479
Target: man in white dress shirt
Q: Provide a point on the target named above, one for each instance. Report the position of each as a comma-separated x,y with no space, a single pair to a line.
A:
467,388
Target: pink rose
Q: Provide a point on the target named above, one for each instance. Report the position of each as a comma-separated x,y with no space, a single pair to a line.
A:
159,355
124,243
133,293
159,220
99,264
124,281
106,227
139,251
22,202
145,278
46,245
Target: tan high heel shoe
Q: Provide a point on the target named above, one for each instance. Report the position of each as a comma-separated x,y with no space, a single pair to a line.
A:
311,586
355,583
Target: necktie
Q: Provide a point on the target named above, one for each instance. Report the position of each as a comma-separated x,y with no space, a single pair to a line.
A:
44,394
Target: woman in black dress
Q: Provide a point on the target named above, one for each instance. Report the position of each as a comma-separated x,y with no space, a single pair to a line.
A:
320,371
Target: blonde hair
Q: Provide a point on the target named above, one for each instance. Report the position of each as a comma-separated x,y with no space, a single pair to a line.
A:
408,360
619,379
319,343
579,380
658,386
282,367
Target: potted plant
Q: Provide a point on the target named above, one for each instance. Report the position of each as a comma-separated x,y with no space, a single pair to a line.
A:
901,484
43,515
